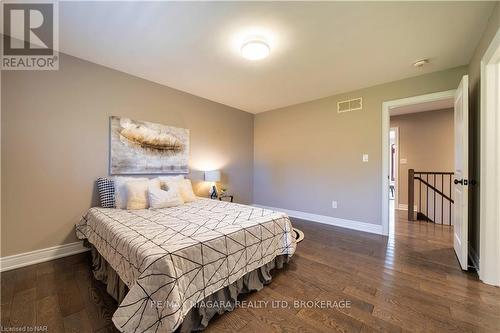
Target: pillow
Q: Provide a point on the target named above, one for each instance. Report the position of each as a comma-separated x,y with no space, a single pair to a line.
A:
106,189
137,193
176,177
164,180
159,198
121,190
185,189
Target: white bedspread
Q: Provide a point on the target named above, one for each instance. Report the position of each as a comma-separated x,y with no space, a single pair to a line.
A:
172,258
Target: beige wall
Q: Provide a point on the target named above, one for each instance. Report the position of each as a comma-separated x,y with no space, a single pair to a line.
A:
55,143
307,155
474,122
426,141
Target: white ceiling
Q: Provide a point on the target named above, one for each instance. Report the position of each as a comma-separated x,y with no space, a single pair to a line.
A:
317,49
423,107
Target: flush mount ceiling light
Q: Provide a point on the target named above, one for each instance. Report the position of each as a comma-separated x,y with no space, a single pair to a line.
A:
420,63
255,48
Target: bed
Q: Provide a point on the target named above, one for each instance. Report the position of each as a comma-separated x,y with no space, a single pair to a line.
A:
171,259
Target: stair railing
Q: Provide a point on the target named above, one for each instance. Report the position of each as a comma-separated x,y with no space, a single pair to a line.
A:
434,200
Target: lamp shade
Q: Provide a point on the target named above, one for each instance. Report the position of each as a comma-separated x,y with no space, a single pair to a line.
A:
212,176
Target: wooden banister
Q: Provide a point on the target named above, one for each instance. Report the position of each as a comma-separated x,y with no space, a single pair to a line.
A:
431,199
435,189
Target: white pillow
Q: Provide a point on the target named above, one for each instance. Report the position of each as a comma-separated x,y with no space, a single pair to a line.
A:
177,177
165,180
183,186
185,189
159,198
121,190
137,193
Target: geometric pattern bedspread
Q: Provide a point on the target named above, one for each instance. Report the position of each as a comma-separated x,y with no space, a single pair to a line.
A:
172,258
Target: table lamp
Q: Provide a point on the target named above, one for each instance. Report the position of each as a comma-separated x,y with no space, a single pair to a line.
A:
213,177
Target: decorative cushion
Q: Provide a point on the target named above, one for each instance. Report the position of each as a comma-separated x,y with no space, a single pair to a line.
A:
137,193
159,198
106,189
185,189
165,180
121,190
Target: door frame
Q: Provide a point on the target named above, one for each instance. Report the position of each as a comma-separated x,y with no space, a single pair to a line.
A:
489,187
396,166
386,107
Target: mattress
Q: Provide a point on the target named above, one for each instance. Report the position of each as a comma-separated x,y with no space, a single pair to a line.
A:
172,258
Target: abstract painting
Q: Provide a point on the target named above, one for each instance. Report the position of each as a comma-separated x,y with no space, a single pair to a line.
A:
141,147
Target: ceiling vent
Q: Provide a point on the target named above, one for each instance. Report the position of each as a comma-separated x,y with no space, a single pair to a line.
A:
350,105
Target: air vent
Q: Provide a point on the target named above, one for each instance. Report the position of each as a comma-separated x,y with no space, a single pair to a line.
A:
350,105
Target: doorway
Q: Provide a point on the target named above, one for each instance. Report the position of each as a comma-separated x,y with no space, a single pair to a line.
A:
440,100
458,173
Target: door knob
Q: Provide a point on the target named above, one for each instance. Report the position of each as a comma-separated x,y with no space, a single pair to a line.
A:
456,181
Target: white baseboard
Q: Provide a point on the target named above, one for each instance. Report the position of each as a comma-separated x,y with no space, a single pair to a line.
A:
348,224
35,257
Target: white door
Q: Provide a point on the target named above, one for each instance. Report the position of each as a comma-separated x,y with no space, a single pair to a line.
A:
461,182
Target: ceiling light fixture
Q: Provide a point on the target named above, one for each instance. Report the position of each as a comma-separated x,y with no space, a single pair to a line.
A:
255,48
420,63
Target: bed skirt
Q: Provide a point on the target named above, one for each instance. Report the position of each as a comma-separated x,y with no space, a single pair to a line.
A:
198,317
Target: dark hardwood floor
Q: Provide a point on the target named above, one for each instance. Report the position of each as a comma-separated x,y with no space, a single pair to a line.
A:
409,282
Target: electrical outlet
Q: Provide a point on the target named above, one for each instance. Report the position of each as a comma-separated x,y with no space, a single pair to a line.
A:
365,157
334,204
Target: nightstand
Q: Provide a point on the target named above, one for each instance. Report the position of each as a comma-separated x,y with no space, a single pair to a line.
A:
230,197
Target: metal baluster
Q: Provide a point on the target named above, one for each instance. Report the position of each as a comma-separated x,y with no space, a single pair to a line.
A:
434,205
427,196
420,196
442,200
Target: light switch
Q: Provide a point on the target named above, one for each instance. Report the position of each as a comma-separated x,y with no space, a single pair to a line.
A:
403,161
365,157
